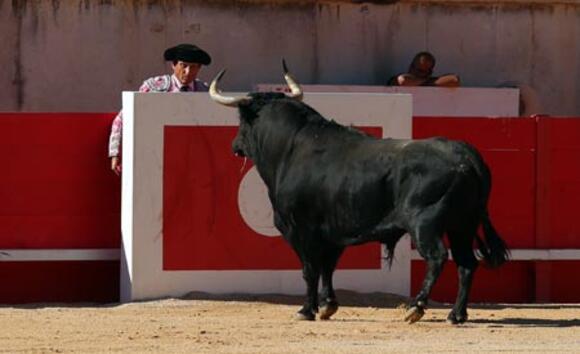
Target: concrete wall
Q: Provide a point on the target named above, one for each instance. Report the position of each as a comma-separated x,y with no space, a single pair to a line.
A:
78,55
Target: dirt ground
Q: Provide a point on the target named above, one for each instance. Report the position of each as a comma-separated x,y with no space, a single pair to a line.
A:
365,323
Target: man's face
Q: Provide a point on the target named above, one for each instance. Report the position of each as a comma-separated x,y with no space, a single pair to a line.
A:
186,72
424,67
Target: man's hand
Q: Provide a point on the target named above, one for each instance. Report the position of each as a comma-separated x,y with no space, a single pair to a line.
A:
116,165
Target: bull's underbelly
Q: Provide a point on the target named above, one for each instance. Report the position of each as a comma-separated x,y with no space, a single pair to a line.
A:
359,233
341,226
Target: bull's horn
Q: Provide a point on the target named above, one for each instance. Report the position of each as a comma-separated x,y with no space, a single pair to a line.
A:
215,94
295,90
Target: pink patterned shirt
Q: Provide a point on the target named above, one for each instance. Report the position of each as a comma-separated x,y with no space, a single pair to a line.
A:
163,83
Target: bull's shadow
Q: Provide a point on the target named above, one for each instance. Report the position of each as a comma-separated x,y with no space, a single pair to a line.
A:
515,322
518,321
347,298
392,301
527,322
375,299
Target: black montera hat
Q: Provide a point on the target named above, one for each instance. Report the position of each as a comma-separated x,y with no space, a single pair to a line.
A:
187,52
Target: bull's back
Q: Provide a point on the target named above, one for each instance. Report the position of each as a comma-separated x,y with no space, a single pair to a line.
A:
344,187
437,170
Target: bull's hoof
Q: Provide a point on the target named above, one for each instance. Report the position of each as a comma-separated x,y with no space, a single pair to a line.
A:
328,310
455,319
305,316
414,314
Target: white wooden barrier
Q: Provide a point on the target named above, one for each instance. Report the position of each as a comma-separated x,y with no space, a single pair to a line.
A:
434,101
146,274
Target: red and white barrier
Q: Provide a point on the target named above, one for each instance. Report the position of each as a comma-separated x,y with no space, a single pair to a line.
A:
59,229
195,218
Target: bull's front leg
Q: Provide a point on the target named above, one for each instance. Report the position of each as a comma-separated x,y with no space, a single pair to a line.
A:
311,274
308,249
328,302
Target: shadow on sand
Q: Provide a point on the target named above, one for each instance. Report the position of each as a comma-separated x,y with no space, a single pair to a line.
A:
513,322
385,300
354,299
527,322
344,297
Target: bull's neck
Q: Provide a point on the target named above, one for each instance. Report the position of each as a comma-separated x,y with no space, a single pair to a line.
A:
273,150
269,165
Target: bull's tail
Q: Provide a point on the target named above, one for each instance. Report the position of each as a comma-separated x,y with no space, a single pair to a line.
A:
494,250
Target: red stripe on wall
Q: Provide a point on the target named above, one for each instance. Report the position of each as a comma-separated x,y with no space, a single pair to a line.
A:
489,285
56,188
516,281
202,225
59,281
508,133
557,282
558,183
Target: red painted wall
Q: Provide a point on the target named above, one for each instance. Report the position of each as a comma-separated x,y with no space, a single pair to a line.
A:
535,164
200,207
57,192
558,187
59,281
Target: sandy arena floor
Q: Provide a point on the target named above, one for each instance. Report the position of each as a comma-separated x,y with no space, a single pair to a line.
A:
365,323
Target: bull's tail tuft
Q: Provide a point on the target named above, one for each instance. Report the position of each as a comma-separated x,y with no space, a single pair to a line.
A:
494,250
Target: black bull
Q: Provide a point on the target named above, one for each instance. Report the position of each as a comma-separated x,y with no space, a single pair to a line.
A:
333,186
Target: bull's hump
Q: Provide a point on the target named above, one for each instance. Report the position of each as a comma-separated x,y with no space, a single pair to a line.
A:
402,143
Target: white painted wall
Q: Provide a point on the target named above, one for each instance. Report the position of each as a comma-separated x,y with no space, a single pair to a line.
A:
146,115
432,101
78,55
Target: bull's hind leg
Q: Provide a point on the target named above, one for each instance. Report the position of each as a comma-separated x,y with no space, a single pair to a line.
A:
427,238
461,249
328,303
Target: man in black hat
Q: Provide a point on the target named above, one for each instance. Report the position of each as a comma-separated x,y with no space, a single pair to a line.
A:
186,61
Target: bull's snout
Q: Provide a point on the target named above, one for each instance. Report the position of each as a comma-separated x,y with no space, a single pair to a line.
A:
239,153
237,149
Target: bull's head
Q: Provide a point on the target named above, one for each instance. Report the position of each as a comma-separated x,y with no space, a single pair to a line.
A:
240,145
